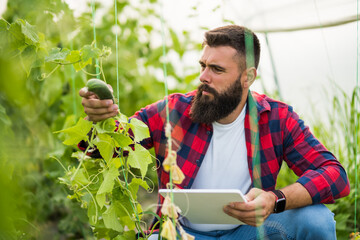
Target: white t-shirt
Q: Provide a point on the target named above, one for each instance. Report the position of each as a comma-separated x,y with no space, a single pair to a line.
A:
225,165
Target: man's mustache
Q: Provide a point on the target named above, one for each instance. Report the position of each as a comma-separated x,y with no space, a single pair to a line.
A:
206,88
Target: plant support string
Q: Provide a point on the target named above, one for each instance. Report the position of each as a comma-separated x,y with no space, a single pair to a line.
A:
94,31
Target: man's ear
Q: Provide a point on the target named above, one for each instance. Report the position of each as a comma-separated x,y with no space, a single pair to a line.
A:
251,74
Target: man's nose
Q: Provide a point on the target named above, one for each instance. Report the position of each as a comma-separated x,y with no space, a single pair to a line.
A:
205,76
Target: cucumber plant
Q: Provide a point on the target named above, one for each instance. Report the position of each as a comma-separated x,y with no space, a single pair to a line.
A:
106,186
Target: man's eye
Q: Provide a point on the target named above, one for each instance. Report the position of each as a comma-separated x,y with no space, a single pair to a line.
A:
216,69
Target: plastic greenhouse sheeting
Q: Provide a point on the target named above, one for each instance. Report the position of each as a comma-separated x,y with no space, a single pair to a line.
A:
290,15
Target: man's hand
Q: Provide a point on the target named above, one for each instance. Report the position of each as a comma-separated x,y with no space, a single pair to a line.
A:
259,206
95,108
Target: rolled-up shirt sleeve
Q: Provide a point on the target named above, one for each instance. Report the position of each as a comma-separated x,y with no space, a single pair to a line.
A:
318,169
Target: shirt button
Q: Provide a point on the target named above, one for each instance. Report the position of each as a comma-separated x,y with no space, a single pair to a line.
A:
198,161
185,186
208,132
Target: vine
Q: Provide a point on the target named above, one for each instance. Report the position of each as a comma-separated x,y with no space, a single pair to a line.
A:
106,185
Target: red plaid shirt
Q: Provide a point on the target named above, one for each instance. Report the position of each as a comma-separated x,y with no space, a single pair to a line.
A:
283,137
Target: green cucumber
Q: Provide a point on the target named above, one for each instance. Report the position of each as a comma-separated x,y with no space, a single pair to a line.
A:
100,88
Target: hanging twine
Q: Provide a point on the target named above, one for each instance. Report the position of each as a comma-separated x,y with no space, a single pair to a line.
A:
356,111
98,75
175,174
254,126
117,55
94,32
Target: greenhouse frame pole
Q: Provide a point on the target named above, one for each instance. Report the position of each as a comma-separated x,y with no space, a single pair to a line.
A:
273,67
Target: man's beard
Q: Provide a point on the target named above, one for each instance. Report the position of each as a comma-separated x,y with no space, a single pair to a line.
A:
205,110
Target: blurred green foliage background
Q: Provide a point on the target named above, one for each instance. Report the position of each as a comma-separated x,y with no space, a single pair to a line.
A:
33,204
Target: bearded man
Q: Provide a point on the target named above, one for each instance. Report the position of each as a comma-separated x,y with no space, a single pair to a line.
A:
213,131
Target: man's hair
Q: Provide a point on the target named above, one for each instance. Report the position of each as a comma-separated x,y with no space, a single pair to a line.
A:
242,39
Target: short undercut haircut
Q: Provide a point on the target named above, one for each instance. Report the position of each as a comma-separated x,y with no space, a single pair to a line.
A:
242,39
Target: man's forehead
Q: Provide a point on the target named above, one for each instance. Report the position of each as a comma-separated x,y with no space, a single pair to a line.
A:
219,55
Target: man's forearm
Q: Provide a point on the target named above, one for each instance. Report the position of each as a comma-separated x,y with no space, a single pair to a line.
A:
296,196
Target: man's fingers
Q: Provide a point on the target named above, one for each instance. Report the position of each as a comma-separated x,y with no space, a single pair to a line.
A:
100,111
253,193
96,103
96,109
245,217
85,93
97,118
242,206
253,218
244,213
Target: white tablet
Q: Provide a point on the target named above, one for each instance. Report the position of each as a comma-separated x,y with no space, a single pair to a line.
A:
205,206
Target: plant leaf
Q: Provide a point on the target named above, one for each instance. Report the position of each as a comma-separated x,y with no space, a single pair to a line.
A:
134,186
106,146
75,58
4,119
121,118
28,57
106,126
107,185
81,178
128,235
111,219
16,38
140,158
88,52
121,140
123,209
3,32
77,133
140,129
29,31
57,54
92,213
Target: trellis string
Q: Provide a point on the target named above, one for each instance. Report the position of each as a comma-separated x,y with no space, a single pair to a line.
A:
94,33
356,111
117,55
164,64
132,202
118,96
254,127
166,98
72,76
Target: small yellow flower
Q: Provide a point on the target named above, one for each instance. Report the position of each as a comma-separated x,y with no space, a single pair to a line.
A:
168,130
170,209
184,235
168,230
187,237
169,161
177,175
